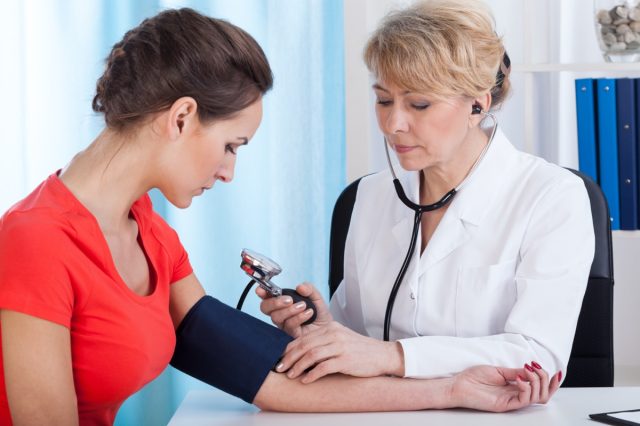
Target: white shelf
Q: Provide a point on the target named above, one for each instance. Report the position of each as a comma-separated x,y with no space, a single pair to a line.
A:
576,67
626,234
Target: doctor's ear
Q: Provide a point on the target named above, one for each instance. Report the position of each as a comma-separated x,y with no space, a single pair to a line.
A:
181,116
481,104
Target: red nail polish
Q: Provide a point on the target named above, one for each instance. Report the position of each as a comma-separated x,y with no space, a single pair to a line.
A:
528,367
520,377
559,375
536,365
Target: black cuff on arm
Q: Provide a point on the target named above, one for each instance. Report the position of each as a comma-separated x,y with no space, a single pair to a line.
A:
227,348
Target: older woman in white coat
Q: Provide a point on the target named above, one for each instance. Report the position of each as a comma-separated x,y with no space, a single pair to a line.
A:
499,272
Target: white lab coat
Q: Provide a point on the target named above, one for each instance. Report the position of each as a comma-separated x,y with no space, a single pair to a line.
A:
500,282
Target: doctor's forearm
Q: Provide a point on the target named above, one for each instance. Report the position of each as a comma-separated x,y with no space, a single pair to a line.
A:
338,393
441,356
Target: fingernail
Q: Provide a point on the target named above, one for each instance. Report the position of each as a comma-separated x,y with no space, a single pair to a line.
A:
300,305
528,367
290,374
308,312
287,300
536,365
279,367
559,375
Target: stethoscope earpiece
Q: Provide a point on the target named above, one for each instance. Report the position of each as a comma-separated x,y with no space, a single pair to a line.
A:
476,109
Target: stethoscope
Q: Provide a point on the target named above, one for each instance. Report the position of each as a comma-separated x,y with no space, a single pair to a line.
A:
420,209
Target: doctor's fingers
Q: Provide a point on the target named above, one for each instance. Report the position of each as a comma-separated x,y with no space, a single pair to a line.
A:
308,290
293,324
315,363
332,332
280,309
329,366
270,303
262,294
306,345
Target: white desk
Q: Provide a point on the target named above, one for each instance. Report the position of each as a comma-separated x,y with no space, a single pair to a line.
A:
568,407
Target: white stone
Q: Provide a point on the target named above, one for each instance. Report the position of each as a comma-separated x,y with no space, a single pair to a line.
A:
629,37
623,29
622,12
609,39
603,17
618,46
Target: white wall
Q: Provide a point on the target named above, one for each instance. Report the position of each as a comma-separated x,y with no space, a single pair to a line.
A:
539,117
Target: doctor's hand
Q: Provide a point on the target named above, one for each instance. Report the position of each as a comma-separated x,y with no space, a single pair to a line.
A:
290,317
502,389
338,349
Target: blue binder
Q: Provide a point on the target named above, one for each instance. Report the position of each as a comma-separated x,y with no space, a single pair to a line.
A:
627,153
608,146
587,131
637,123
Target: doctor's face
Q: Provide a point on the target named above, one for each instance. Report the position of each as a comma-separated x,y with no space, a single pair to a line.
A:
422,130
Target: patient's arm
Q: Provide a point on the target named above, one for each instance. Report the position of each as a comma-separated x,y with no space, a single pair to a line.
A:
482,388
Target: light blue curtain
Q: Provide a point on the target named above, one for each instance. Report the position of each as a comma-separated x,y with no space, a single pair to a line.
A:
286,180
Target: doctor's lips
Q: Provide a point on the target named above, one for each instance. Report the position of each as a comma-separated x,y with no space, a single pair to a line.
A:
402,149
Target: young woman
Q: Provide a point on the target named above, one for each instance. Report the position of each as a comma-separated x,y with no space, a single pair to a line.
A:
500,267
96,292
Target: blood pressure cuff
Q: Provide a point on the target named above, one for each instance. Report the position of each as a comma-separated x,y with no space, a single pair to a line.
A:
227,348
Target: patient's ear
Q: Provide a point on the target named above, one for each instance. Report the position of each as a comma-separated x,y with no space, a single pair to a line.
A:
181,117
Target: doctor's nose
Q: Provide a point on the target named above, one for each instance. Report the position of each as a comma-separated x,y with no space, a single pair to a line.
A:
396,121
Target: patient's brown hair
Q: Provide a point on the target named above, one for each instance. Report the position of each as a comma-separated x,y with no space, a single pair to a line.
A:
181,53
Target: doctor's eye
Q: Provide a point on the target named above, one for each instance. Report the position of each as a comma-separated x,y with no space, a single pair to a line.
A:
420,107
230,148
383,102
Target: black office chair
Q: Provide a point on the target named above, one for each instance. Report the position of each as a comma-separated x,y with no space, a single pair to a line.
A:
591,360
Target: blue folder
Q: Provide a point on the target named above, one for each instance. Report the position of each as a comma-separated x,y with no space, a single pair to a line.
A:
627,153
637,123
608,146
587,131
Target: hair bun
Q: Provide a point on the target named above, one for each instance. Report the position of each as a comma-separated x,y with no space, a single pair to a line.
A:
181,53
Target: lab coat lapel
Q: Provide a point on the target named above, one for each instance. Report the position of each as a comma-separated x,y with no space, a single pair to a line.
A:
450,234
451,226
470,205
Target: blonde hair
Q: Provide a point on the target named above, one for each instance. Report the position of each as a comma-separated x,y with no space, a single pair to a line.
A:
446,48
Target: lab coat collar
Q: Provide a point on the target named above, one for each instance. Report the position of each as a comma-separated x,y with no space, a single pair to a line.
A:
467,208
476,196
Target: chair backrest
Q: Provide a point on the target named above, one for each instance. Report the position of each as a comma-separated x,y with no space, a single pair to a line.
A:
591,360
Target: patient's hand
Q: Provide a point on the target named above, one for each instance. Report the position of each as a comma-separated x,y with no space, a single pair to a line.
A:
289,317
